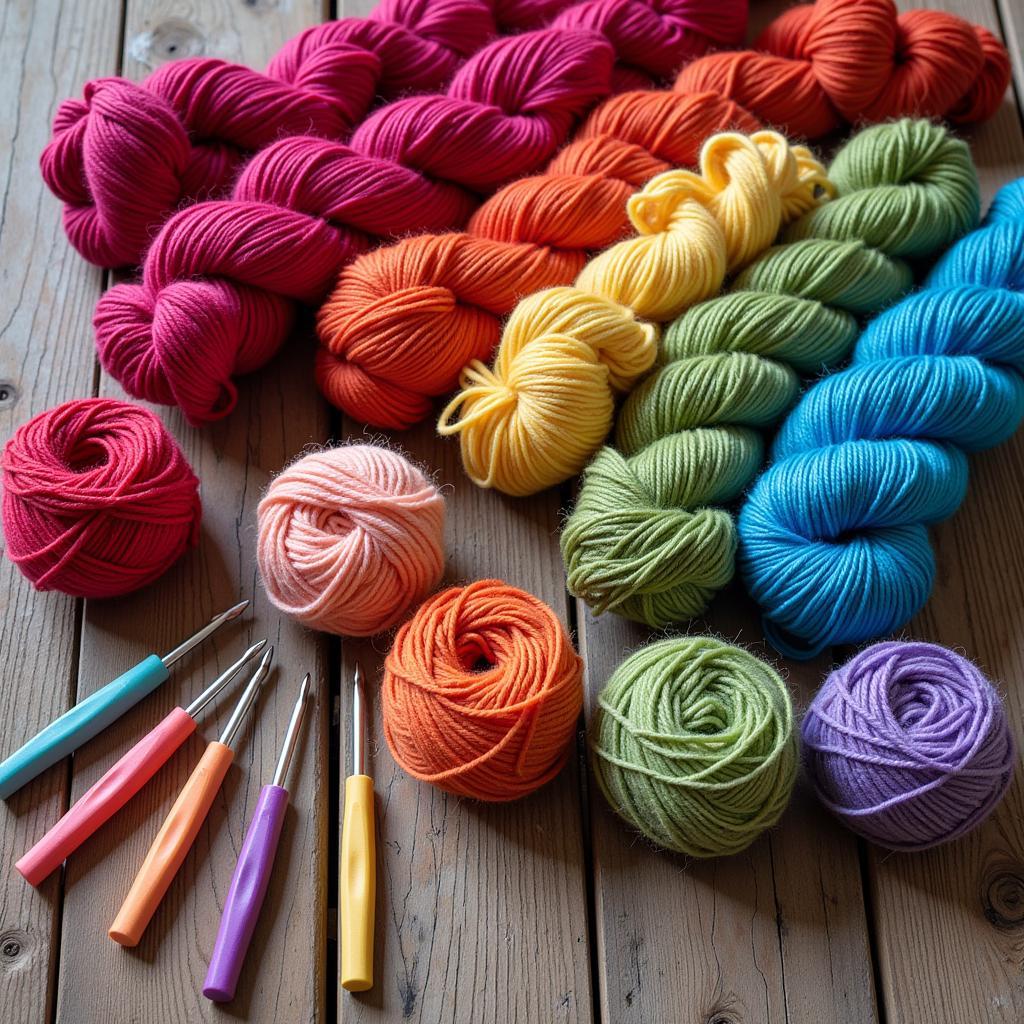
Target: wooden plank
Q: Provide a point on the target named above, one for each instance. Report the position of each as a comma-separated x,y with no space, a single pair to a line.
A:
776,933
284,976
481,909
1011,20
46,50
948,923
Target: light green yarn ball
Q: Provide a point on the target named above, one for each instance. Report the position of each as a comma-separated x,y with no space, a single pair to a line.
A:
693,745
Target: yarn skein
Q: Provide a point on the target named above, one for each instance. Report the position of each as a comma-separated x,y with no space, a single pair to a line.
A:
908,745
649,538
482,691
834,536
221,280
693,745
126,155
403,320
350,538
98,499
537,417
820,66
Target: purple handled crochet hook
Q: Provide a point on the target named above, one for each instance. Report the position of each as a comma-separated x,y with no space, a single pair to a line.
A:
252,872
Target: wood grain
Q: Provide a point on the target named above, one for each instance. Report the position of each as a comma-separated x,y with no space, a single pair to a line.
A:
949,923
46,50
284,977
481,910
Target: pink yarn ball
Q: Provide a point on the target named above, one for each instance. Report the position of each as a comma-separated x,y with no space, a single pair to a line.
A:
98,499
350,539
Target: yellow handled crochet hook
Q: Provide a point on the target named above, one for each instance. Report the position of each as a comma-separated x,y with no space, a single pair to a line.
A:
358,858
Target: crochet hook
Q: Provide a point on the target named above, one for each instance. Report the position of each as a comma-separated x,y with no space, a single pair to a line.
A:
358,858
182,824
252,872
122,780
98,710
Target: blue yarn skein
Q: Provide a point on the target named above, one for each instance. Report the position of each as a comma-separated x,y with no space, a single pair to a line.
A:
834,535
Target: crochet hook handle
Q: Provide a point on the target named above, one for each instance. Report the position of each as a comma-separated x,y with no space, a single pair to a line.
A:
246,894
358,885
171,845
80,723
107,796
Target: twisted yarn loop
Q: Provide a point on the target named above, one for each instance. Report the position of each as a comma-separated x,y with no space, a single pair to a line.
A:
221,279
481,693
693,745
350,538
548,404
834,536
908,744
646,539
98,499
821,65
402,321
126,155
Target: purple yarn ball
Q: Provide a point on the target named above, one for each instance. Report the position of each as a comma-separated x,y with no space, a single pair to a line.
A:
908,745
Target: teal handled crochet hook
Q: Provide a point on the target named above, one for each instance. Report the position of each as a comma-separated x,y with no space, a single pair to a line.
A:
92,715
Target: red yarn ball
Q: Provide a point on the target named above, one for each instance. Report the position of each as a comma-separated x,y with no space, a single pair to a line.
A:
98,499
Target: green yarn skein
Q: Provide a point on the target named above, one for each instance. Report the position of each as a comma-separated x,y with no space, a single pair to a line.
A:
648,538
693,745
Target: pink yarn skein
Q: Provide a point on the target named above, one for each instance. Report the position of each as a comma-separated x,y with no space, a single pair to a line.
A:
98,499
221,279
350,539
127,154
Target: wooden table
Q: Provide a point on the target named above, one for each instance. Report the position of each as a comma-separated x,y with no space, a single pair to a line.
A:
544,911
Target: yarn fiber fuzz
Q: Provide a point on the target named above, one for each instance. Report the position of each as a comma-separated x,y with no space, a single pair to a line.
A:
693,745
350,538
98,499
482,691
908,744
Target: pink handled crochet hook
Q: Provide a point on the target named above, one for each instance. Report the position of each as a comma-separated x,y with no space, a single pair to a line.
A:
252,872
122,781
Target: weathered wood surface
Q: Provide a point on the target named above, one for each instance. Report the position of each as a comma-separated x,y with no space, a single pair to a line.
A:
46,302
481,910
546,910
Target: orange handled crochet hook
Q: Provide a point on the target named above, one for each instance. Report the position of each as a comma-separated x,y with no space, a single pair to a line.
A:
182,824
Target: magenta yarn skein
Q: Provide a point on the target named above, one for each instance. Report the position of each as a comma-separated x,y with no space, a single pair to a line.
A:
98,499
908,745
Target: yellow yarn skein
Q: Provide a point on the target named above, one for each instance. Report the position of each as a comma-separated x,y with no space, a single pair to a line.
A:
538,416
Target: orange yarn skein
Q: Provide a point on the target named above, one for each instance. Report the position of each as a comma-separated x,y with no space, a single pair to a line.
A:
482,691
402,321
820,66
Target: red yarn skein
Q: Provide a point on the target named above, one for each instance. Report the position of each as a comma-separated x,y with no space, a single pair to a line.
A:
822,65
127,154
98,499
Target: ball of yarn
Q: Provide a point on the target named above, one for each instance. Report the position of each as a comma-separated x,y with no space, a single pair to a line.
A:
481,693
693,745
98,499
350,538
908,745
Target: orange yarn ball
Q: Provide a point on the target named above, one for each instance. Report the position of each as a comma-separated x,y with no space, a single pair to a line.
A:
482,691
